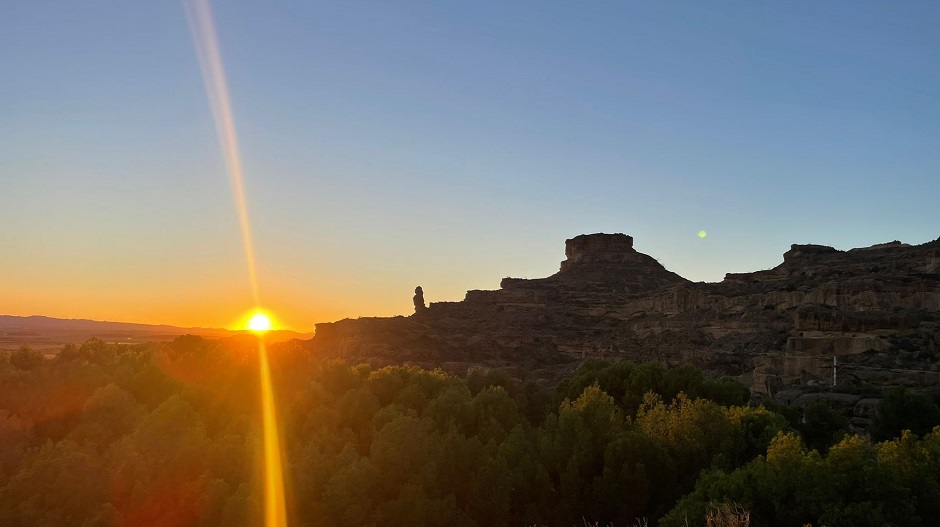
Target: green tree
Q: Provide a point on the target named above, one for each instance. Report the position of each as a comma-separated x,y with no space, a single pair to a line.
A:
905,409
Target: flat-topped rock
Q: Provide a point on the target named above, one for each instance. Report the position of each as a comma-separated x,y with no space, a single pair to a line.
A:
606,263
598,248
877,310
798,251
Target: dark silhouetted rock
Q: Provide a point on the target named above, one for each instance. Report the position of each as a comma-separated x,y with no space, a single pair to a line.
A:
776,329
418,300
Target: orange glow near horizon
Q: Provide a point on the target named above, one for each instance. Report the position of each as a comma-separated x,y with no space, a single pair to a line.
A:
210,61
259,323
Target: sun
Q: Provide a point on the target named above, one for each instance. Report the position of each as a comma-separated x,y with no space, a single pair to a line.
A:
259,323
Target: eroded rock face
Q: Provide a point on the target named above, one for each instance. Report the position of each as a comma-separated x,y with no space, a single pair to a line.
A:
597,248
877,309
602,263
418,300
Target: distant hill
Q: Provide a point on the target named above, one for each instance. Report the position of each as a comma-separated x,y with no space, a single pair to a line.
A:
47,333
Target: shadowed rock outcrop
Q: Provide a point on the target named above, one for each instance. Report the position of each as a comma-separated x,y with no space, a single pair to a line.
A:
418,300
877,309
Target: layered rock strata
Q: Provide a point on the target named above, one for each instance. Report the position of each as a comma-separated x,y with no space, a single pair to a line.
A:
877,310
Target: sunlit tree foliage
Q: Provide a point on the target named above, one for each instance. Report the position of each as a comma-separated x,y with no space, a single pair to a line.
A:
168,434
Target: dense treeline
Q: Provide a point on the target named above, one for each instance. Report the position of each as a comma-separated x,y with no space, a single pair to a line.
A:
168,434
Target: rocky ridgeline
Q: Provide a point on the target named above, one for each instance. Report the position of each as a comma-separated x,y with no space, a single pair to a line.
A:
876,310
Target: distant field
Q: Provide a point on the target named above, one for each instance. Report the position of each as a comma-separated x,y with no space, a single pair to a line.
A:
48,335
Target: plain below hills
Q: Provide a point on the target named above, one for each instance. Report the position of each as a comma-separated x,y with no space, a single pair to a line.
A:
49,334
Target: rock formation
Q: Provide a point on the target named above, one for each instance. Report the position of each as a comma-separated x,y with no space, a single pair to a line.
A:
876,309
418,300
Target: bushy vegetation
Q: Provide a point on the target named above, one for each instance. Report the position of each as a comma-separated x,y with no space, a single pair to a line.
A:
857,483
168,434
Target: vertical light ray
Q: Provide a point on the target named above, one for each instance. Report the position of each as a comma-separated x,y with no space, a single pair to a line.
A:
275,513
206,43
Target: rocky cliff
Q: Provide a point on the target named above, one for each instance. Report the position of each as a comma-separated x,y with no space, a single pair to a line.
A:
876,310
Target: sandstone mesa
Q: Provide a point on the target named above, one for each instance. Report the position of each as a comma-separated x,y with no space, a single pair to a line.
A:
876,310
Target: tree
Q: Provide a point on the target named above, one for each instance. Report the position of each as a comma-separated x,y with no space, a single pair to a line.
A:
25,358
905,409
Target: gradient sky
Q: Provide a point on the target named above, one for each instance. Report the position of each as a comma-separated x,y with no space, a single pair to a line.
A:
447,144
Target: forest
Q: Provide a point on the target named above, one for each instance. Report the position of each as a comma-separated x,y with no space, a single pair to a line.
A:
168,434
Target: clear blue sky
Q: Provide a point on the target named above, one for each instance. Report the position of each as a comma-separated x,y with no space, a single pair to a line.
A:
448,144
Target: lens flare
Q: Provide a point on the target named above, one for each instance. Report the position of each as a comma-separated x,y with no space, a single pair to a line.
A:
275,512
702,234
259,322
206,43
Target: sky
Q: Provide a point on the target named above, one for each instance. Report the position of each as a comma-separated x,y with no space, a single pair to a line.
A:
447,144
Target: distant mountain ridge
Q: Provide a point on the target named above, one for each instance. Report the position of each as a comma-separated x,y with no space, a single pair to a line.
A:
44,332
